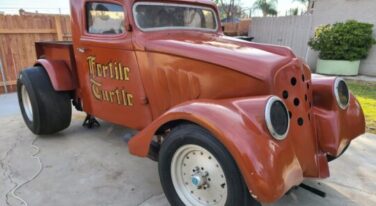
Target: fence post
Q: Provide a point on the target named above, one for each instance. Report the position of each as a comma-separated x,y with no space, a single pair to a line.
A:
58,28
3,77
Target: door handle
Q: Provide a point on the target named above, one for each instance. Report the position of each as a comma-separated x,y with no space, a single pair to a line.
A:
81,49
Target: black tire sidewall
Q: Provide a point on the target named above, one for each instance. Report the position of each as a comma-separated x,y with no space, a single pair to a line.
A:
52,110
192,134
24,80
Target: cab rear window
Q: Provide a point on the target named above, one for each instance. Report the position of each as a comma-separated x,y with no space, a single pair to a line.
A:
104,18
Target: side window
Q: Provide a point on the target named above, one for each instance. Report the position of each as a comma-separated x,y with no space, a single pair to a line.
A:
104,18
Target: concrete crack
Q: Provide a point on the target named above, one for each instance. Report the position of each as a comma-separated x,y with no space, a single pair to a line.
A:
12,192
2,161
146,200
9,176
7,170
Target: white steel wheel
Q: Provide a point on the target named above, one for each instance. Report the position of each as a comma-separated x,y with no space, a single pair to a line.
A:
198,177
26,103
195,169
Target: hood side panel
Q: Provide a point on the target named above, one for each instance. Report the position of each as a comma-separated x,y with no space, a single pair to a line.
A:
171,80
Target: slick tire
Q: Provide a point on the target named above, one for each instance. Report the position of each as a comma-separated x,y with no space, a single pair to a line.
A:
44,110
196,169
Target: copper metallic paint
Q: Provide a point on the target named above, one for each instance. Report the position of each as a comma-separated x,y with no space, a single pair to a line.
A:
109,48
221,84
335,127
61,56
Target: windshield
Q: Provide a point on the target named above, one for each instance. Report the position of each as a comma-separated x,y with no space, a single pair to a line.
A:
158,16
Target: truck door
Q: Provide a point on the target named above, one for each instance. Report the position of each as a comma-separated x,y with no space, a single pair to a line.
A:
110,83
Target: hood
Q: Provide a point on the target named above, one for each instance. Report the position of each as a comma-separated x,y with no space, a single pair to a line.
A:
257,60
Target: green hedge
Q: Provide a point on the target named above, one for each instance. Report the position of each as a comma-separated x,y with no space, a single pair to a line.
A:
343,41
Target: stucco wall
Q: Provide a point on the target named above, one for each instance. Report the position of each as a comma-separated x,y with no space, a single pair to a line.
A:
330,11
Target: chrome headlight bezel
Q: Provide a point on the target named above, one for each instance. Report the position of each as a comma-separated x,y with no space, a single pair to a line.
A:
337,83
268,118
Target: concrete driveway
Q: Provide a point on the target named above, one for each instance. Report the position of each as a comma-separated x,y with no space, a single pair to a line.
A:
93,167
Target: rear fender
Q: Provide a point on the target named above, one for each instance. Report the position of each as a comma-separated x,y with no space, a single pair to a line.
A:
59,73
269,167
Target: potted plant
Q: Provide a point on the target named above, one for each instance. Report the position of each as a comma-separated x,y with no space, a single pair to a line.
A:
341,46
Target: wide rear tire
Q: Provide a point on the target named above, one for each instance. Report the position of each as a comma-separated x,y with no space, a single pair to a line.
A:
196,169
44,110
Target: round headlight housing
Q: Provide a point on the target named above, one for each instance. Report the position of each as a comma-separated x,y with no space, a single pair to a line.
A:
342,93
277,118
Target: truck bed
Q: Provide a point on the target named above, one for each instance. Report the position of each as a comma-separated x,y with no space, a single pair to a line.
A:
56,50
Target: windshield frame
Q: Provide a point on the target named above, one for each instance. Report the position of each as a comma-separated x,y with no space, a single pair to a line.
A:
174,27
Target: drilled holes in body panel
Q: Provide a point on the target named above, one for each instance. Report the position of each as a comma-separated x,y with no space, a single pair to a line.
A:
297,93
293,86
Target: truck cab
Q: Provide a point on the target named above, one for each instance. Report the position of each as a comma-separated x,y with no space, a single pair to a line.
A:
230,122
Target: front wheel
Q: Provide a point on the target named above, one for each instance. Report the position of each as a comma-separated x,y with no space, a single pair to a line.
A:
195,169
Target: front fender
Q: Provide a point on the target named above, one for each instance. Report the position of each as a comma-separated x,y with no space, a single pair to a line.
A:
335,127
269,167
59,74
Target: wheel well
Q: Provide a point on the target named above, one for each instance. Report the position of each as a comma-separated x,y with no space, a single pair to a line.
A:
70,92
160,134
59,73
170,125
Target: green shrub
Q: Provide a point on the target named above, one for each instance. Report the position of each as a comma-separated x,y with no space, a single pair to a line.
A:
343,41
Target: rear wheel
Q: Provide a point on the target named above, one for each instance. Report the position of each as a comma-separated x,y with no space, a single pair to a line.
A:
44,110
195,169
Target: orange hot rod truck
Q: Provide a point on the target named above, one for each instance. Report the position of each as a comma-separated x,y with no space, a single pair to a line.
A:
230,122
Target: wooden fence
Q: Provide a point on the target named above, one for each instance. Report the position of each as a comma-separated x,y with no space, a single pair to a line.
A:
17,37
291,31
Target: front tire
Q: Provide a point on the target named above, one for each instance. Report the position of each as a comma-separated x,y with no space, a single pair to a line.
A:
44,110
196,169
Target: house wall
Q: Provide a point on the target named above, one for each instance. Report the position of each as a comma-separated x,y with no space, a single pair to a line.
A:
295,31
331,11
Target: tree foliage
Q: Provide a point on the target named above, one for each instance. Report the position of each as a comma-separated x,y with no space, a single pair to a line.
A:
229,8
350,41
302,1
293,11
305,2
267,7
